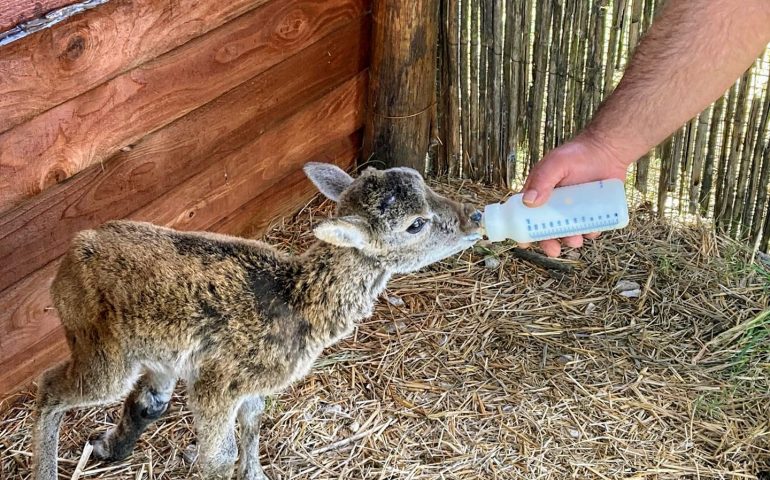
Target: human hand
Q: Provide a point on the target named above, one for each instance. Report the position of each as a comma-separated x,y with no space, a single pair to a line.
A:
580,160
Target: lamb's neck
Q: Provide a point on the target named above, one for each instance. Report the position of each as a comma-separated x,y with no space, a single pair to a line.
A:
337,287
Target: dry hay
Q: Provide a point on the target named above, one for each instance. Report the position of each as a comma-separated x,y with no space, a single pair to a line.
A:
509,372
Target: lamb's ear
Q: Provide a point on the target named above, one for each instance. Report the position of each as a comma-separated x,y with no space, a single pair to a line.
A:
330,179
347,231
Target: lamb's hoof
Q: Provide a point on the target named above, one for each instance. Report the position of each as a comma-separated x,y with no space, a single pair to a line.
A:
102,449
258,475
190,454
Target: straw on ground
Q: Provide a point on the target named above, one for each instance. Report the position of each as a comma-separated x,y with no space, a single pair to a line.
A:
514,371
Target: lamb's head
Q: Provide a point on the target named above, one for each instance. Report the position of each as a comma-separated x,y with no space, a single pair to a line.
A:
393,216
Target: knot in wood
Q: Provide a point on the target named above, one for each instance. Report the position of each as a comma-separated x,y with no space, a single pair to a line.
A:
292,26
74,49
54,176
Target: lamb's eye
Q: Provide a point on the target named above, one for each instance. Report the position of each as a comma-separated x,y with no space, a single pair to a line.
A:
417,225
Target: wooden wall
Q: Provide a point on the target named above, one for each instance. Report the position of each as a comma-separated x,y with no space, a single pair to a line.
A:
188,113
15,12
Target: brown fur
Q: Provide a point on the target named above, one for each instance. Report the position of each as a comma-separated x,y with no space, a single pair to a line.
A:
143,305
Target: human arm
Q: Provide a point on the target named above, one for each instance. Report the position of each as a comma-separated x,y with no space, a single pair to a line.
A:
691,54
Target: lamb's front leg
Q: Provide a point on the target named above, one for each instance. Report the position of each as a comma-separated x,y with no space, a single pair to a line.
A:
249,419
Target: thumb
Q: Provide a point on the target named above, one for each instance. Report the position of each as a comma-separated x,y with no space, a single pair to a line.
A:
543,178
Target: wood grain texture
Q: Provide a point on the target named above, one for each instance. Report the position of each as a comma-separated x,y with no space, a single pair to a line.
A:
38,231
14,12
59,63
27,313
230,182
87,129
290,192
26,367
402,81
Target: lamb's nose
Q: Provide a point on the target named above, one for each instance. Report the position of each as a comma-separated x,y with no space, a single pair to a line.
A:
476,216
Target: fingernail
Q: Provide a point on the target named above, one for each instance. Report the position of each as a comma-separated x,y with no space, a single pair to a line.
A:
529,197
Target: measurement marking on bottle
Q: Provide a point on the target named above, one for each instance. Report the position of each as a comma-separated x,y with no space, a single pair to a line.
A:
571,230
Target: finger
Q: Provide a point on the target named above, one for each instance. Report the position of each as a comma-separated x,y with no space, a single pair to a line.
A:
575,241
592,236
541,181
552,248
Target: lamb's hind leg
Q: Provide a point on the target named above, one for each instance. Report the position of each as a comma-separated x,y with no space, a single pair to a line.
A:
146,403
249,419
214,411
93,380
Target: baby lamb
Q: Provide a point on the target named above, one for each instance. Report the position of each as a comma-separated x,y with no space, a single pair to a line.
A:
144,305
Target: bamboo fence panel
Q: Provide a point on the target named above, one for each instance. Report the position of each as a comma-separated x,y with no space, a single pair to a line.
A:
519,78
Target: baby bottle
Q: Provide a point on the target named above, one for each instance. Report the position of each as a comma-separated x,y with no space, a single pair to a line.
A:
572,210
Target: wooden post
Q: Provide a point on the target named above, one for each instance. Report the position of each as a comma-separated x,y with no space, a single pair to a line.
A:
401,82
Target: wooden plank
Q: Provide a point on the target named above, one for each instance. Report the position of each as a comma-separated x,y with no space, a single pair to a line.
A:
288,193
38,231
87,129
27,314
28,351
14,12
54,65
23,369
230,182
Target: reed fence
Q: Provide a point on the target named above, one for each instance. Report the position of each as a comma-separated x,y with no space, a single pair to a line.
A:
517,78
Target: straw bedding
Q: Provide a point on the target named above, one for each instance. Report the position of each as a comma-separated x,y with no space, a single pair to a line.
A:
490,366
